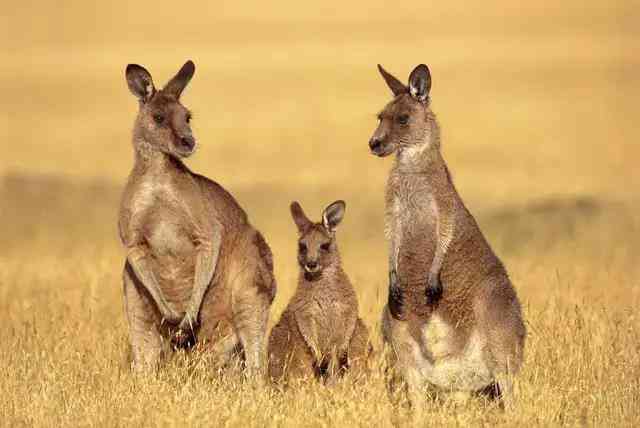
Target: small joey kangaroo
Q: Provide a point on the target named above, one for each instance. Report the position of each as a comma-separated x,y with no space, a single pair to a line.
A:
319,334
194,265
453,319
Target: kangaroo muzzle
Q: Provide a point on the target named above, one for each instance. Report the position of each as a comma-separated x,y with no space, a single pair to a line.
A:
185,145
311,267
188,143
380,146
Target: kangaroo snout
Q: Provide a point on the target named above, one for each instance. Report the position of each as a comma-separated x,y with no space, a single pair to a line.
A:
186,145
375,143
188,142
379,146
311,266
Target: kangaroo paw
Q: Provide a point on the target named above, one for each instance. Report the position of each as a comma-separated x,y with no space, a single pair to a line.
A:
396,298
184,336
434,289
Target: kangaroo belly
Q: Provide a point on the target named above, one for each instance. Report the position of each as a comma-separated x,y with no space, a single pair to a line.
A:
449,365
174,257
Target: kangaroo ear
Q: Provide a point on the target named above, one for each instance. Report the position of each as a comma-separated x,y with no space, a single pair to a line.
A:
420,83
299,217
176,85
396,86
140,82
333,214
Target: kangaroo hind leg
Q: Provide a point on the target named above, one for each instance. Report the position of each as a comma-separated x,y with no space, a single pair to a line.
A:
148,347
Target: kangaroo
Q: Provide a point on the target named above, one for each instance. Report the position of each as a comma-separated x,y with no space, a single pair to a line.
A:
195,268
319,334
453,319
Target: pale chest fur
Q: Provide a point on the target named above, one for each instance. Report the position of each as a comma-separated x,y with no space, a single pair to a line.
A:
161,214
154,213
411,212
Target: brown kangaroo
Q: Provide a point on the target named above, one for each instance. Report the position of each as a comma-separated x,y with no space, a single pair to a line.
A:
195,267
319,333
453,319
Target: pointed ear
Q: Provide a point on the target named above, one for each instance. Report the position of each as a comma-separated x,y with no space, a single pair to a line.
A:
420,83
299,217
140,82
333,214
396,86
176,85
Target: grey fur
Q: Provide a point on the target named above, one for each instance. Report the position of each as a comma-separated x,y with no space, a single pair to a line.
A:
319,333
453,319
195,267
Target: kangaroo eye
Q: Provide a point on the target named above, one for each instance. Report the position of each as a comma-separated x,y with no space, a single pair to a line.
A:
403,119
159,119
302,247
325,247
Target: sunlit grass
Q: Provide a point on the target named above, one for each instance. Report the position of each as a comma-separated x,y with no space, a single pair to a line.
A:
538,109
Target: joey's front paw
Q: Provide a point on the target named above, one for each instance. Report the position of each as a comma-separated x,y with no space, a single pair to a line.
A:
185,334
434,289
396,298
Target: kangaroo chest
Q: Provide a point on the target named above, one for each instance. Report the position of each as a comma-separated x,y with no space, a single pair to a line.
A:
411,221
331,320
161,218
168,238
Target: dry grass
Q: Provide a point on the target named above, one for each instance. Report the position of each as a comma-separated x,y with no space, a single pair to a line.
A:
538,107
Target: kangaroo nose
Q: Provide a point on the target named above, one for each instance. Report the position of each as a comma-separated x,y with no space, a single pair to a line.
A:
375,143
312,265
188,142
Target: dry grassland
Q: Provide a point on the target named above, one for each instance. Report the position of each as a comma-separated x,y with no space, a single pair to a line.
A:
538,106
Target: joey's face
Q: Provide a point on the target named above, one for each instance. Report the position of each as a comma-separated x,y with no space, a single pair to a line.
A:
317,249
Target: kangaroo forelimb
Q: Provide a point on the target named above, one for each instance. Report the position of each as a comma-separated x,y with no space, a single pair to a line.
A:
138,257
309,334
445,229
207,253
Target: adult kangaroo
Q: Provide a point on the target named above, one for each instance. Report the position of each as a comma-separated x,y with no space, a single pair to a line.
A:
195,267
453,319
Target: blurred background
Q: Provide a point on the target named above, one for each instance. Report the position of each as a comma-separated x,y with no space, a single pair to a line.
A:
538,103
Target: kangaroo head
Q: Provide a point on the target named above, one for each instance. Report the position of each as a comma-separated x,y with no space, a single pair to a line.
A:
406,123
163,123
317,247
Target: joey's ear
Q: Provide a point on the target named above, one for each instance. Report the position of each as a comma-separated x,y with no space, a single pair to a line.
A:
420,83
396,86
177,84
299,217
140,82
333,214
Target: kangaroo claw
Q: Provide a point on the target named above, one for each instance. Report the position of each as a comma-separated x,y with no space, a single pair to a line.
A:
434,289
396,298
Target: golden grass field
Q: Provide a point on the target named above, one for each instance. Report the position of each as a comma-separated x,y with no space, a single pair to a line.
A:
538,105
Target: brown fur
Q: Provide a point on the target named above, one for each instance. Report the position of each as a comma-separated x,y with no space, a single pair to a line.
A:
319,334
453,317
196,269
